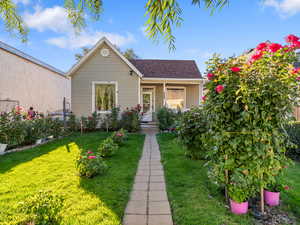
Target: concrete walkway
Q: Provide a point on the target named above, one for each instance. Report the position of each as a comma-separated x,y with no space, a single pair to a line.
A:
148,204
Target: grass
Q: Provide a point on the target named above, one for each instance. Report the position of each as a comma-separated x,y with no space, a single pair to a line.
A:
101,200
196,201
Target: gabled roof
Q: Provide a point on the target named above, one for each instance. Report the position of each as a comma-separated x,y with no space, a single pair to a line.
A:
95,48
23,55
174,69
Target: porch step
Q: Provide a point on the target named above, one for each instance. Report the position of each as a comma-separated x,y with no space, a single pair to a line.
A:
149,125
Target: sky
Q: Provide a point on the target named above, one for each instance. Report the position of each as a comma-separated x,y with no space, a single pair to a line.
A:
239,26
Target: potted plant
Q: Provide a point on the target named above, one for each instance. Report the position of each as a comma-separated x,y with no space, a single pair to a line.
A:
238,198
272,191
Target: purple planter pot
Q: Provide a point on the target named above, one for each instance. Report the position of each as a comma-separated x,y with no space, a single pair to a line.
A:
272,198
238,208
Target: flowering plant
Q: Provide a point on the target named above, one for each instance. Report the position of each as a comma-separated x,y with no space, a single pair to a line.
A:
107,148
119,137
250,100
90,164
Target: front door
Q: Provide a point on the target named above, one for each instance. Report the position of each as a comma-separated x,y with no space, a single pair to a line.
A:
147,106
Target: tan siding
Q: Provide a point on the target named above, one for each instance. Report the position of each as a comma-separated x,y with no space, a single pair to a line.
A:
99,68
192,96
31,84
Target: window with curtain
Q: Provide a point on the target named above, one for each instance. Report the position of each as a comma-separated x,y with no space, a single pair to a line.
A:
105,95
175,98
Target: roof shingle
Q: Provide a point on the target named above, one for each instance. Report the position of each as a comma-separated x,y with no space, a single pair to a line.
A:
176,69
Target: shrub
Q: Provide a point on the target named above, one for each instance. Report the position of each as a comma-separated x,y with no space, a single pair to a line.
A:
107,148
293,131
130,119
92,122
90,164
110,121
42,208
119,137
73,124
166,118
192,127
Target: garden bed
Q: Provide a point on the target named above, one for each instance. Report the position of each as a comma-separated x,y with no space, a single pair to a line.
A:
101,200
195,200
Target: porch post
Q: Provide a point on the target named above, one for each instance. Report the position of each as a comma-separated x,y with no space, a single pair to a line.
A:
165,94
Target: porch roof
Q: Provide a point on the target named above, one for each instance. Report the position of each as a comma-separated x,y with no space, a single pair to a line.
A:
174,69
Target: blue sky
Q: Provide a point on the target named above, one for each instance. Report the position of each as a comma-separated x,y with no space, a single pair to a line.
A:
237,27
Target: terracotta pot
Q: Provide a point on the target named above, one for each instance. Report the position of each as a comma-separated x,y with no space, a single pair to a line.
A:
238,208
272,198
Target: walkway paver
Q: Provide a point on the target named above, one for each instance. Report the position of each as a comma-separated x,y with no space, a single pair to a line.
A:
148,204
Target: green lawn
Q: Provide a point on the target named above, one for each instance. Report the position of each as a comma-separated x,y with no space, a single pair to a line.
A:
195,201
101,200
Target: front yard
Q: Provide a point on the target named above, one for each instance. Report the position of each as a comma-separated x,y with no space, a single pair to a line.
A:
101,200
196,201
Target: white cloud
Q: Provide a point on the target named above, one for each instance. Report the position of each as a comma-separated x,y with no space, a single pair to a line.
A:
284,7
72,41
198,53
24,2
143,30
54,19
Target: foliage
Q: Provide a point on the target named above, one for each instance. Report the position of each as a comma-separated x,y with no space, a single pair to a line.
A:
72,123
249,100
43,208
166,118
191,127
279,184
119,137
130,119
107,148
110,121
293,131
79,56
92,122
130,54
90,164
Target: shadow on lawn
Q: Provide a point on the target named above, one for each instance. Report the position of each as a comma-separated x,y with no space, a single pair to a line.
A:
10,160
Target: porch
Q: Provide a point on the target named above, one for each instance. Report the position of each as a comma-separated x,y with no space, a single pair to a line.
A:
172,93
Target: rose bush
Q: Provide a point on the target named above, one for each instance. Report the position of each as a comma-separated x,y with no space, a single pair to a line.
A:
250,100
107,148
119,137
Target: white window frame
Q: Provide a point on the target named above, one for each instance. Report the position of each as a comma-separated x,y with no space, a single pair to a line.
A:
153,95
94,97
177,87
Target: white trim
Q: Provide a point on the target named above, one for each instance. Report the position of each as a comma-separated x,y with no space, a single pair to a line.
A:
95,48
139,91
154,95
185,79
177,87
151,104
93,94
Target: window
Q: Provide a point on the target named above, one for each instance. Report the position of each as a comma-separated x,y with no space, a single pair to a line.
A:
176,98
104,96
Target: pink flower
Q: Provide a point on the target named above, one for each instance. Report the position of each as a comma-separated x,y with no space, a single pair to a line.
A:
295,45
298,78
274,47
90,152
119,134
210,76
219,88
235,69
291,38
286,187
262,46
295,70
257,56
204,98
92,157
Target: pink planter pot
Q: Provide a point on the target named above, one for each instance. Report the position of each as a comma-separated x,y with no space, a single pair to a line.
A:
272,198
238,208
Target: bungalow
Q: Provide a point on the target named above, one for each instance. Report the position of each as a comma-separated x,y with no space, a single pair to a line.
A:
104,79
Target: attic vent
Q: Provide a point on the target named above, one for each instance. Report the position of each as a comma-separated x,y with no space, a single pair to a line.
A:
104,52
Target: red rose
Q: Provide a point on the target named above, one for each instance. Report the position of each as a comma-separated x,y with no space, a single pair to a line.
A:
90,152
291,38
204,98
210,76
298,78
286,187
274,47
235,69
262,46
256,56
295,70
219,88
295,45
92,157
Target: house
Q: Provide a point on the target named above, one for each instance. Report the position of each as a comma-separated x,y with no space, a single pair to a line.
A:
27,82
104,78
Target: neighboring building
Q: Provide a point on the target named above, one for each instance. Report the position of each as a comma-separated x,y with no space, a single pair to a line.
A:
104,78
31,82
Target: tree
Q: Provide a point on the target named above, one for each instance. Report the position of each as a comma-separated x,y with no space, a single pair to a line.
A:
128,53
163,16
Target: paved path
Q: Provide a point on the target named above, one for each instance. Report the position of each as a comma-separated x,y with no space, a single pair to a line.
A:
148,204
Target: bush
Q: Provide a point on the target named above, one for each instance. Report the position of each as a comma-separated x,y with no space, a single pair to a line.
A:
110,121
192,127
166,118
107,148
92,122
90,164
119,137
73,124
42,208
293,132
130,119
